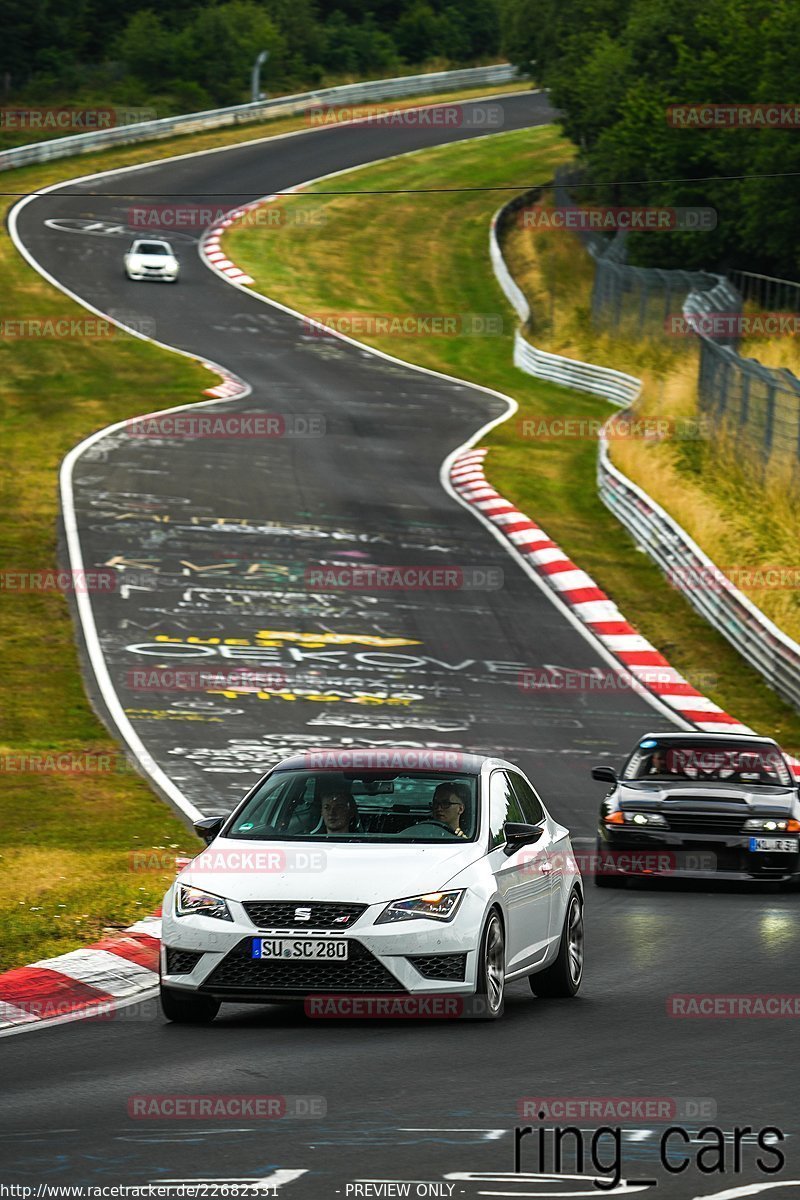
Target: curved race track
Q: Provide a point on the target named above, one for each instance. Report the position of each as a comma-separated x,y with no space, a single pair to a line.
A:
218,536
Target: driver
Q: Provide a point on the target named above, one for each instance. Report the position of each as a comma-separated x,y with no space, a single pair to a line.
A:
339,811
448,805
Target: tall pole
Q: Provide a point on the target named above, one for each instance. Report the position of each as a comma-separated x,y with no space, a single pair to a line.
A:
255,78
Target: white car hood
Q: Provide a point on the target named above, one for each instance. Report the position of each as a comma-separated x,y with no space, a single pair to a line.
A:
355,872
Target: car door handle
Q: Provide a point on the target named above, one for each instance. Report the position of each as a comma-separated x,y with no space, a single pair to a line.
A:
547,866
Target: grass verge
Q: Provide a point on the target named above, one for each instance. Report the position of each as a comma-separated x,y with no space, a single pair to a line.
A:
743,515
430,255
70,840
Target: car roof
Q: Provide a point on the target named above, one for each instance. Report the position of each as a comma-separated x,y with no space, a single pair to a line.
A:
408,759
672,736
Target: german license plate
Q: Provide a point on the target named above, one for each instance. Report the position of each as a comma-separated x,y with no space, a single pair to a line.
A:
297,949
775,844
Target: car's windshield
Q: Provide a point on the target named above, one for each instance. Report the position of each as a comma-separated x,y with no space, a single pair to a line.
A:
361,806
751,764
151,248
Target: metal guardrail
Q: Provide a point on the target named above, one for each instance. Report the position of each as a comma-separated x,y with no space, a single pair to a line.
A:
346,94
762,644
612,385
615,386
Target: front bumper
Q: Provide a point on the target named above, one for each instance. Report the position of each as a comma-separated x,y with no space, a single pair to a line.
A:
667,854
164,274
381,958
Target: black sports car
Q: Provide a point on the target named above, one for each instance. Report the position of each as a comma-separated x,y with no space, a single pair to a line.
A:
700,805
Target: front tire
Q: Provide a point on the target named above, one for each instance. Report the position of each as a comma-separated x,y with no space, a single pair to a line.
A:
187,1008
563,977
492,969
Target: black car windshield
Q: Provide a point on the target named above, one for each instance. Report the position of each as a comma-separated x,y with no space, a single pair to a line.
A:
152,248
360,806
751,764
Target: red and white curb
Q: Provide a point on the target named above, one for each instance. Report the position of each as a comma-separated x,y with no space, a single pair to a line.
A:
211,249
94,981
589,603
231,386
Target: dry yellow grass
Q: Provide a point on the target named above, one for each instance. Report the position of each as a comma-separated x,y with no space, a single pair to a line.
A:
743,515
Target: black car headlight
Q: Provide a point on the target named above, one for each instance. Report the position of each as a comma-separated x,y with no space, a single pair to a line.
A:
194,902
652,819
436,906
772,825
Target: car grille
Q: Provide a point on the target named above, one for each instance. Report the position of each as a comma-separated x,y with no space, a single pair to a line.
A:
683,822
181,962
280,914
440,966
361,972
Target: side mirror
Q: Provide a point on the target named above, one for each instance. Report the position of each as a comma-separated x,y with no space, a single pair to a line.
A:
604,774
208,828
519,834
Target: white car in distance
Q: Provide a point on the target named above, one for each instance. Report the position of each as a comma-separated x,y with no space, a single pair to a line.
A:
149,258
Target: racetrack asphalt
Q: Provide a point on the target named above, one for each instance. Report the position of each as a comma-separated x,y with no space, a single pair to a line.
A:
219,534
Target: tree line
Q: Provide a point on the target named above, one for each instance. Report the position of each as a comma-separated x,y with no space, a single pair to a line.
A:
616,68
193,54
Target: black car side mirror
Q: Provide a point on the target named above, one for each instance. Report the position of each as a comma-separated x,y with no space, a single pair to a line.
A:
208,827
517,834
604,774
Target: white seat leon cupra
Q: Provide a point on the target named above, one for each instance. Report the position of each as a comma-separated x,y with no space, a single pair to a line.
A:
376,882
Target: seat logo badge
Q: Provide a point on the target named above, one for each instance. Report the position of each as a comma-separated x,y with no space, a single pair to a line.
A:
302,914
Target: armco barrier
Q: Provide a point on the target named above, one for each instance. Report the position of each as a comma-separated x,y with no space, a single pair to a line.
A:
762,644
379,89
612,385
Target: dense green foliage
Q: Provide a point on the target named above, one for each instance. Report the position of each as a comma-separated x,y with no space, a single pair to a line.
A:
197,53
614,66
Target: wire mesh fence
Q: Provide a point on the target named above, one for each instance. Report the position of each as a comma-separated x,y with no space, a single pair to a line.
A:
758,406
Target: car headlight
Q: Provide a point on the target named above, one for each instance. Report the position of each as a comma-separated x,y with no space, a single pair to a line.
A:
636,818
437,906
772,825
194,902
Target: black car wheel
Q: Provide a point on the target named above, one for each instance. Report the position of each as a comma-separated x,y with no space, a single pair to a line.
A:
563,977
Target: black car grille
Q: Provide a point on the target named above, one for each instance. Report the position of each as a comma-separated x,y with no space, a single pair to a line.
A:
280,914
440,966
360,972
721,823
181,962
